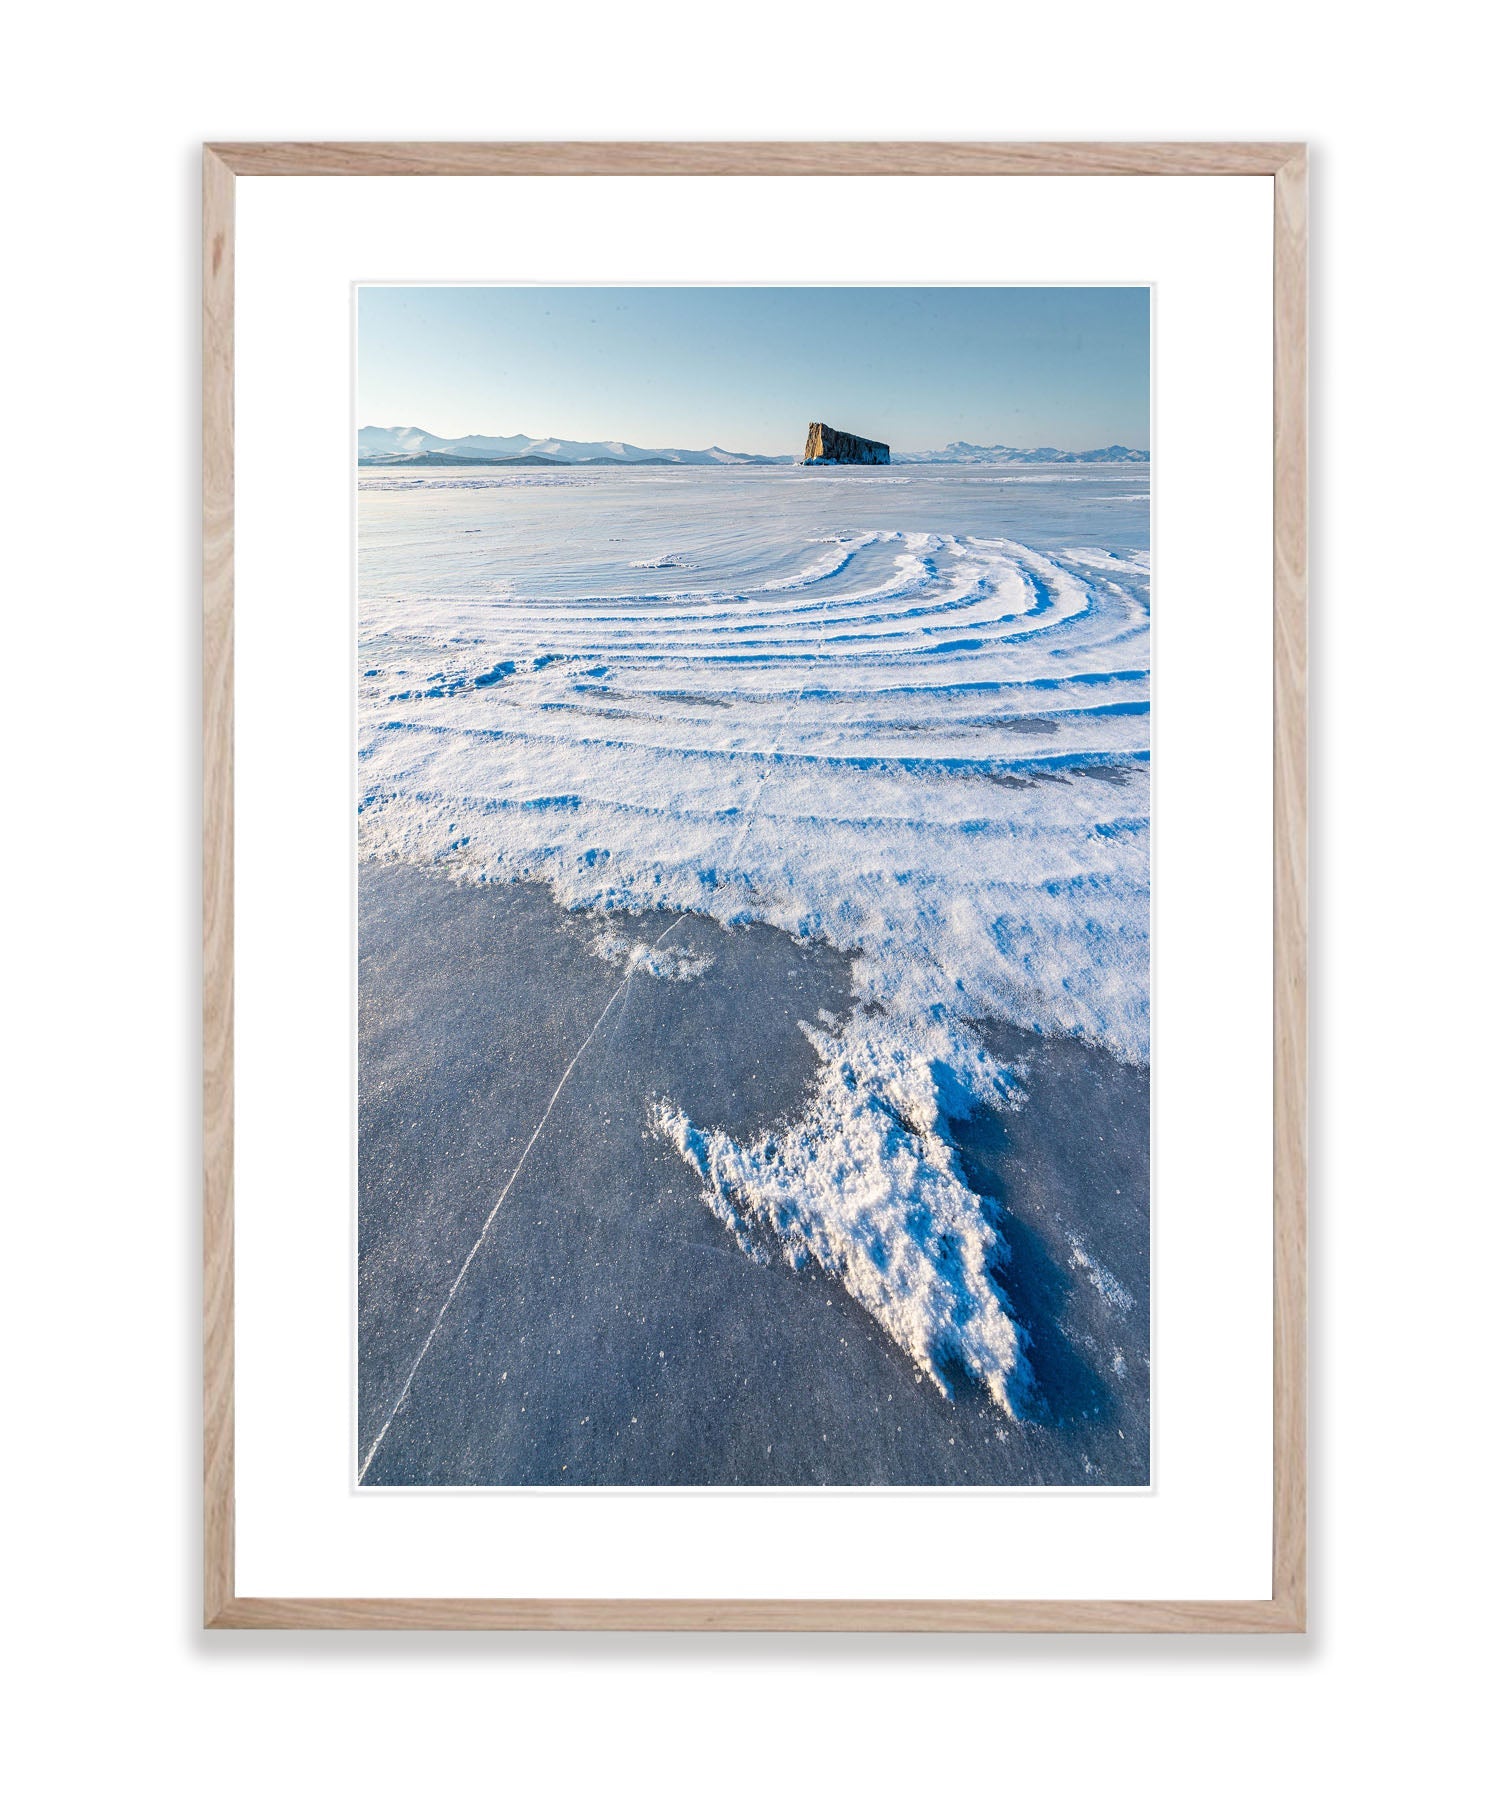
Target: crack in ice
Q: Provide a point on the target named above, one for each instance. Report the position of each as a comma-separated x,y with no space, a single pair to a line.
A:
442,1312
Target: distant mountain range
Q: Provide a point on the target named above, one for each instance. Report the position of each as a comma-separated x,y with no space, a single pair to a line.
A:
405,446
1003,453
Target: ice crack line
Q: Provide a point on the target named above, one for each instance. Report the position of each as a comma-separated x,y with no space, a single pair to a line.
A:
411,1373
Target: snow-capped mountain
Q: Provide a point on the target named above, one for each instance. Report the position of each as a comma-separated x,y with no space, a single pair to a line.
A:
961,452
391,441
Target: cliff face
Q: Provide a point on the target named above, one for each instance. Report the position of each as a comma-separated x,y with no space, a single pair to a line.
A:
826,445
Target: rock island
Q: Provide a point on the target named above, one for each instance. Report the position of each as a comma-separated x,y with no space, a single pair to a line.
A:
825,445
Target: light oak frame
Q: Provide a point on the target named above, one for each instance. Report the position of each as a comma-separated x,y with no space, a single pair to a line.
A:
1286,163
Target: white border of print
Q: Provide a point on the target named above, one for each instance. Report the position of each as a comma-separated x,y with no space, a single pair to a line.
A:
1203,1530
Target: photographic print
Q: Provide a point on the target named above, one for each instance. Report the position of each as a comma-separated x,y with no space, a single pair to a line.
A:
754,801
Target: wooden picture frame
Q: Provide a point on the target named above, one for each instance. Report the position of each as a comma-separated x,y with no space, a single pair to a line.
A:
1285,1610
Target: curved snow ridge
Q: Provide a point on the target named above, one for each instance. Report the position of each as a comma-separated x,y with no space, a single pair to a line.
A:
960,805
865,1183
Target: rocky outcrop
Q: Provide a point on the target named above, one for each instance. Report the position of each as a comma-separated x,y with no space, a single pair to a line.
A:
825,445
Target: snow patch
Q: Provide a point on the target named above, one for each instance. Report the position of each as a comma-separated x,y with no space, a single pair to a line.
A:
865,1182
1110,1290
667,962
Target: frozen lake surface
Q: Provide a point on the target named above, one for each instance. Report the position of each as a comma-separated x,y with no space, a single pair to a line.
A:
901,716
607,1329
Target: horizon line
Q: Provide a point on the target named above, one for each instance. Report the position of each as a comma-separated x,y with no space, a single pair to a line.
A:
544,437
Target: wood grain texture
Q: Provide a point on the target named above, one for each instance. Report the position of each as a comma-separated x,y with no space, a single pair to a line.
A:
1289,804
218,886
754,159
1033,1616
1285,1611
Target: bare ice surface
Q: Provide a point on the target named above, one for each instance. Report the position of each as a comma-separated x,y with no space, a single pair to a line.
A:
610,1330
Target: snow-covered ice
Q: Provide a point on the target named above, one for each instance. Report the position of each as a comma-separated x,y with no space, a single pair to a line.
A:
907,715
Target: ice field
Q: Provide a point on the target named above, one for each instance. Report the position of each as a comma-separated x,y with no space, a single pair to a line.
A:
903,713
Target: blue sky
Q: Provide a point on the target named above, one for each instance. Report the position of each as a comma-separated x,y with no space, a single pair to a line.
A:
748,368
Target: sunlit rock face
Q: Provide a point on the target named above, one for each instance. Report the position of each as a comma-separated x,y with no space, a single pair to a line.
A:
825,445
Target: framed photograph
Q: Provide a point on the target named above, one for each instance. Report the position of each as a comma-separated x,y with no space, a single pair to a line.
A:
755,886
